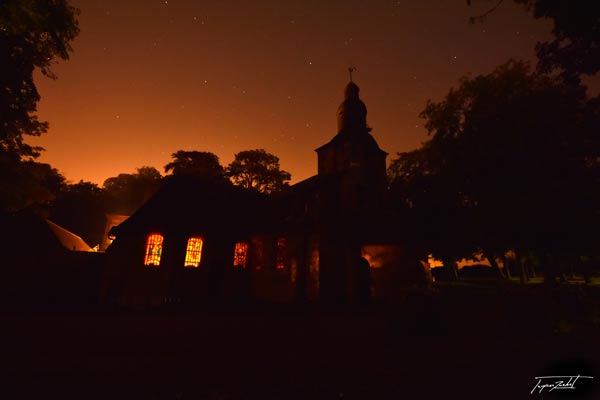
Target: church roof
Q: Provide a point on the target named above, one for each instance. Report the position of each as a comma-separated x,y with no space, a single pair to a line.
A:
366,140
187,204
307,184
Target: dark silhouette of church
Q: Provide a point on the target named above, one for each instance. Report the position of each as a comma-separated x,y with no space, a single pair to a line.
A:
331,238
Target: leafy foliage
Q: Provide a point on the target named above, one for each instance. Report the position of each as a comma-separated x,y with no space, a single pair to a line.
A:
33,34
511,163
80,208
575,49
26,184
125,193
195,163
258,170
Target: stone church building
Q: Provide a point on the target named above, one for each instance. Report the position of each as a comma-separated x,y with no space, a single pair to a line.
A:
198,241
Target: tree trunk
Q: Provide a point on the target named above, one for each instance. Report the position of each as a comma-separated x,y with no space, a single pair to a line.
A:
572,262
550,269
529,269
450,266
521,268
506,267
560,271
586,270
490,256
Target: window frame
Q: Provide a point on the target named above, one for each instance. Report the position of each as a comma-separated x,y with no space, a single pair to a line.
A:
190,260
237,256
154,249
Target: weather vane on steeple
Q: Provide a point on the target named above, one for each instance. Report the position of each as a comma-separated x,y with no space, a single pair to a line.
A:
351,70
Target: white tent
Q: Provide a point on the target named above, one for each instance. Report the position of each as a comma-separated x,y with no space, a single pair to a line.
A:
68,239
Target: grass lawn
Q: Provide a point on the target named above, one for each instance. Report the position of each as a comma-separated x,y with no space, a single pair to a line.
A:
466,341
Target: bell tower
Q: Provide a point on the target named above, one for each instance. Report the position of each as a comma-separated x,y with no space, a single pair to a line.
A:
353,150
353,188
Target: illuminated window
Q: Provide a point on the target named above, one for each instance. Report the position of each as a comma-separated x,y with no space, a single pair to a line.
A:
280,253
154,246
193,252
240,255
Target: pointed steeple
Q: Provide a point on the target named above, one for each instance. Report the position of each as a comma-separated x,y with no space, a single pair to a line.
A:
352,113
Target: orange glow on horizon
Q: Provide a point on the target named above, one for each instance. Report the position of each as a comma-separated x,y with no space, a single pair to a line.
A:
160,80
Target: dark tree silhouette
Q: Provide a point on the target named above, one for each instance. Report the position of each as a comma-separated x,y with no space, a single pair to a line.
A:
33,34
125,193
511,164
80,208
195,163
426,194
28,184
258,170
575,49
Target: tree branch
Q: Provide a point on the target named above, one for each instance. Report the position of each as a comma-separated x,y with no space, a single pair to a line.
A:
482,17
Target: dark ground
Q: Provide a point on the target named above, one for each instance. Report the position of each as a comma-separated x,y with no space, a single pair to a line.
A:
468,342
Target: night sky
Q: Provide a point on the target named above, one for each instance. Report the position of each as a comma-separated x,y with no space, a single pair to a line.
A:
149,77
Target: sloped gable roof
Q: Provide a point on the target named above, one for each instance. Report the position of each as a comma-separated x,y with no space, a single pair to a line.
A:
188,204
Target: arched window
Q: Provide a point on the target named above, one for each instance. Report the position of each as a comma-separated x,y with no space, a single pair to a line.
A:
154,246
240,254
193,252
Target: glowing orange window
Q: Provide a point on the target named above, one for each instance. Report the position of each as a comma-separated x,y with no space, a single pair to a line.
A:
240,255
193,252
154,246
280,253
